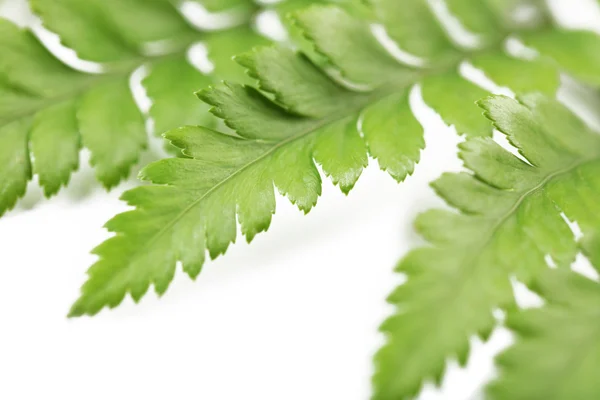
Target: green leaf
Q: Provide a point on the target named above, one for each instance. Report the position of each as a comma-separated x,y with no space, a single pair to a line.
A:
303,112
166,91
55,143
453,97
557,352
341,152
505,11
112,128
577,52
393,135
222,46
31,81
275,148
347,43
478,17
414,27
226,5
16,164
115,30
173,103
296,82
538,75
509,221
56,108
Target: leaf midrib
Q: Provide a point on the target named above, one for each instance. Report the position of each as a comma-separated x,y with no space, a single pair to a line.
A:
502,220
493,231
376,95
180,215
313,129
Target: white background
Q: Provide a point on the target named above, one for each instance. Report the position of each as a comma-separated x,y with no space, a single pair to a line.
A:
293,316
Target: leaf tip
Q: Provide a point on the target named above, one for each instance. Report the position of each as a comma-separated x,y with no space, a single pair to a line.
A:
205,94
77,310
245,59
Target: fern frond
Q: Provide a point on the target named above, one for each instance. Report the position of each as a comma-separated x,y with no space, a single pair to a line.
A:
557,352
217,6
305,110
49,110
509,223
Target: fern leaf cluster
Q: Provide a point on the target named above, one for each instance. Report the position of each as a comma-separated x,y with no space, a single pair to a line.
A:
307,107
509,222
557,353
335,99
49,110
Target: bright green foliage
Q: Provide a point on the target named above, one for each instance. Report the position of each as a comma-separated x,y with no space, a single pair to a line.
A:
506,10
478,17
227,5
337,101
49,110
307,108
166,91
413,26
540,77
54,142
452,97
107,115
32,85
509,221
115,30
557,353
566,47
168,94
